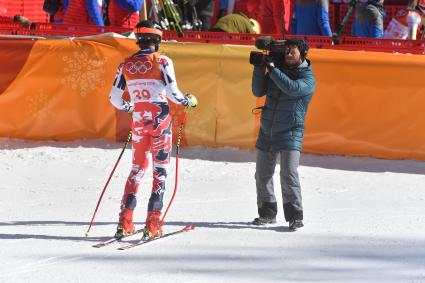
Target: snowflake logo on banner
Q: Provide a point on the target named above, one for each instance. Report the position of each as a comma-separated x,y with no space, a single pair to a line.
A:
38,104
83,71
198,124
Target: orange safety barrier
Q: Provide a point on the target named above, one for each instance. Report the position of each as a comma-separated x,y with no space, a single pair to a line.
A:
365,103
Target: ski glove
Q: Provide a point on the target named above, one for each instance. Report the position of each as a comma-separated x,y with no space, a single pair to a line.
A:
192,101
127,107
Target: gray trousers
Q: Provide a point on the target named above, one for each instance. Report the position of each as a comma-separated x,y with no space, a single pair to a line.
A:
289,181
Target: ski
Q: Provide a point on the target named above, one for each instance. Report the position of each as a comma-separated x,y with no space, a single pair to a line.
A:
114,240
140,242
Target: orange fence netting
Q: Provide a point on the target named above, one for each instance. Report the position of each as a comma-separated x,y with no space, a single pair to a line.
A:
366,103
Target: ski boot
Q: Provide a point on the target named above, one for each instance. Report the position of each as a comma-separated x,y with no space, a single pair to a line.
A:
153,228
295,224
125,226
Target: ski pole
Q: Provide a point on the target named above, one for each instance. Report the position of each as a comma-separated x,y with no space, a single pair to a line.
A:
179,137
337,34
107,182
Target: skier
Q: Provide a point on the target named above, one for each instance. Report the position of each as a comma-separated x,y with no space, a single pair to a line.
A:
150,80
405,23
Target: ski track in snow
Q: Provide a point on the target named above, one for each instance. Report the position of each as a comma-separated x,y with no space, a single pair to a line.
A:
36,266
364,219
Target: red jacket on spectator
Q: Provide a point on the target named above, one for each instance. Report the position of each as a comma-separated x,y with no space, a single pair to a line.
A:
271,12
120,17
248,7
83,12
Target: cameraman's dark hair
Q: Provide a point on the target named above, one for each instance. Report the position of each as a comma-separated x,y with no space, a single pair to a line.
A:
301,44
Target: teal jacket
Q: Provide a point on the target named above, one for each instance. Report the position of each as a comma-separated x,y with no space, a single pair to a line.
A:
288,93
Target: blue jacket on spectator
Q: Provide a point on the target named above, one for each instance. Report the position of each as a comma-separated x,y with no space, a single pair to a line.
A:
369,20
288,93
311,17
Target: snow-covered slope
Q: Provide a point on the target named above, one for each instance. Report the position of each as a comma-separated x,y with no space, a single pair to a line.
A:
364,219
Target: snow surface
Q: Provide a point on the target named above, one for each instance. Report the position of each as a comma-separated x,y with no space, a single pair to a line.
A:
364,219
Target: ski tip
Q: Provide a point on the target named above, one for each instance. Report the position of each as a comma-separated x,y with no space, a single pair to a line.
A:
189,227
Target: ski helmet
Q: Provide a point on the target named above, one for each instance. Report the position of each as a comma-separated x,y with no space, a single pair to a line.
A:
147,34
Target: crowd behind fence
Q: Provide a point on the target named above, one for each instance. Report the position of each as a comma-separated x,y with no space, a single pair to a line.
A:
336,13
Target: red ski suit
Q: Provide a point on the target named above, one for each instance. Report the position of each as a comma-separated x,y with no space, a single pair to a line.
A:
150,80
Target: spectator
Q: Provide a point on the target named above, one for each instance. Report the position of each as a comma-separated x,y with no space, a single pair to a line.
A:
124,13
288,84
83,12
205,10
197,12
230,6
369,19
222,8
237,23
311,17
248,7
271,14
406,21
55,8
188,14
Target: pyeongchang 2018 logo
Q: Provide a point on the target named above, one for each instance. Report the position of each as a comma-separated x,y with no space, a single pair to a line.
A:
138,67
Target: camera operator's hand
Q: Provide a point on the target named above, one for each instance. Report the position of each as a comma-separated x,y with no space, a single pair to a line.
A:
269,63
256,58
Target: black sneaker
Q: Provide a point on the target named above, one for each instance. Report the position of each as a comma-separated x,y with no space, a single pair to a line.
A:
263,221
295,224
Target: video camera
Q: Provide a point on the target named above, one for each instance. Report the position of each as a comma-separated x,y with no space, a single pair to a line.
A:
273,50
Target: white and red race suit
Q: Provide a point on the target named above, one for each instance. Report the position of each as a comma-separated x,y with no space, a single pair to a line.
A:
150,80
404,25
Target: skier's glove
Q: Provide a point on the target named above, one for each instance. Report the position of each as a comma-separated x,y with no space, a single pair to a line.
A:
127,107
192,101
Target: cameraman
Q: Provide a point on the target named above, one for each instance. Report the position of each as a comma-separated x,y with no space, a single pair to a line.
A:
287,80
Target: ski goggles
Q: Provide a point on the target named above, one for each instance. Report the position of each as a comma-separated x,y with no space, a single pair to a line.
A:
148,31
